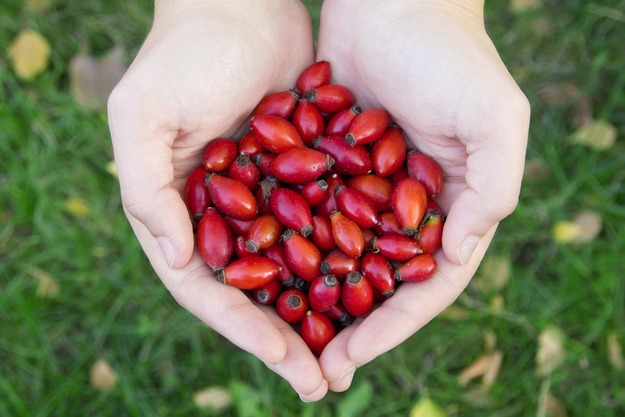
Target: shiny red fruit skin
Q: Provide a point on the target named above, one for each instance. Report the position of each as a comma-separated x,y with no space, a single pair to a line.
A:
389,225
264,233
379,272
417,269
277,253
356,206
239,227
340,123
291,210
196,195
250,145
409,203
388,154
324,292
378,189
300,165
396,247
214,240
279,104
348,160
424,169
338,313
268,293
313,76
322,235
339,264
240,249
249,272
399,175
308,121
368,127
263,161
275,133
347,235
219,154
369,236
244,170
328,204
330,98
317,331
314,192
357,295
430,234
231,197
292,305
302,256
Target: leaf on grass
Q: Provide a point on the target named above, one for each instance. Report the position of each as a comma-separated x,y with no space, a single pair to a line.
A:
103,378
522,6
215,397
356,401
559,93
426,407
39,6
92,79
596,134
550,406
536,169
550,353
486,366
615,352
29,54
77,207
111,168
47,286
584,227
455,312
493,276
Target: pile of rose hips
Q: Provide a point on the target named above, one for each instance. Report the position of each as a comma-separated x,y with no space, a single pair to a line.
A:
320,209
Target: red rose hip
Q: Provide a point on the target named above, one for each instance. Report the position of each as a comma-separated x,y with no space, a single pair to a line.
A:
357,295
249,272
409,202
317,331
214,240
232,197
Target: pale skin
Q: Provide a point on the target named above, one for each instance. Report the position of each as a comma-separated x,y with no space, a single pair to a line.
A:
202,69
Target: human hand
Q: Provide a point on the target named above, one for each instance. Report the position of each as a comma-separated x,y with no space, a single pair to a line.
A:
202,69
434,68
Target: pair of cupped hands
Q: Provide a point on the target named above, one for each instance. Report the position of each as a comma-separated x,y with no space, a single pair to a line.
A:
206,64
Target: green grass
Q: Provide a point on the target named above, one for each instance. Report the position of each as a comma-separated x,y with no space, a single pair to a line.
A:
112,306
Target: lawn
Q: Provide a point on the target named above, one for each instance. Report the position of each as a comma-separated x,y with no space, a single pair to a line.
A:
540,331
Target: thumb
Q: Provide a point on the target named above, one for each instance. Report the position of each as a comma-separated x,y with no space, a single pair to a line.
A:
143,156
490,189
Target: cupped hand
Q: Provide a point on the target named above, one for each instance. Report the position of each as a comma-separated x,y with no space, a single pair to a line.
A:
434,68
202,69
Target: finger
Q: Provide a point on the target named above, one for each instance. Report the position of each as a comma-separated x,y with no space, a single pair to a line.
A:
490,188
410,308
337,367
143,156
223,308
299,366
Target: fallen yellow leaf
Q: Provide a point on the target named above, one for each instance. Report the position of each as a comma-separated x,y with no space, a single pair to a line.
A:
550,353
47,286
596,134
39,6
103,378
584,227
216,398
486,366
111,168
522,6
550,406
426,407
615,352
77,207
29,53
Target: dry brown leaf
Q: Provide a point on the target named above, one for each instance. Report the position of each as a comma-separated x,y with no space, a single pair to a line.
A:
559,93
584,227
93,79
536,169
550,406
103,378
29,54
216,398
47,286
551,352
493,275
596,134
486,366
615,352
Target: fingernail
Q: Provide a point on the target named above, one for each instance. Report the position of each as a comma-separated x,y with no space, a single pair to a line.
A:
302,399
168,249
466,248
